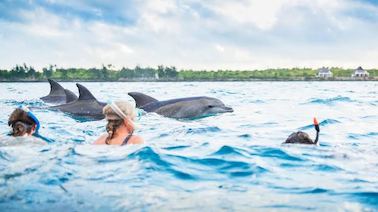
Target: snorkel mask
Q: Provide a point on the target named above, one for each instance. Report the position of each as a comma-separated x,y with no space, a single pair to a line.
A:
37,123
122,115
33,117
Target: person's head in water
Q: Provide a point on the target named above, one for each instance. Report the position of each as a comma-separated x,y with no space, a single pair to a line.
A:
119,114
302,137
23,123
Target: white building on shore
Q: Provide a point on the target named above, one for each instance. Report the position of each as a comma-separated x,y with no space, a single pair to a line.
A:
324,73
360,73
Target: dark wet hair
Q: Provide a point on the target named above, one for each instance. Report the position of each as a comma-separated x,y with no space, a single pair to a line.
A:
299,138
20,122
111,128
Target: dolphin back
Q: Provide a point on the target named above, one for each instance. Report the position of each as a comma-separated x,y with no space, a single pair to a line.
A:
70,96
57,93
55,88
84,93
85,106
141,99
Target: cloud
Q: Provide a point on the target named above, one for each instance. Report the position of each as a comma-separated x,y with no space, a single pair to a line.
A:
195,34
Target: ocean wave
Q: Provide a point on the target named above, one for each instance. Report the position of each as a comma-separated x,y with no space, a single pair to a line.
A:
270,152
154,162
176,147
329,101
229,167
367,197
323,123
192,168
228,150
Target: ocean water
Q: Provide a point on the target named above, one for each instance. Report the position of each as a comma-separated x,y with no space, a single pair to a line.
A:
229,162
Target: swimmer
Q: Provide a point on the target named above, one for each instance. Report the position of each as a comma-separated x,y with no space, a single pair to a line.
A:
23,123
302,137
120,127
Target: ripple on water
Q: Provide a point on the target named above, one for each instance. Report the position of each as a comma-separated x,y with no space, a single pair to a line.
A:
271,152
358,136
155,162
326,168
323,123
176,147
228,150
367,197
32,104
191,168
202,130
232,168
246,137
330,101
5,156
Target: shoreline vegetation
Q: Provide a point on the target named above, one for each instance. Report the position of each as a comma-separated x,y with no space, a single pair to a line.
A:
24,73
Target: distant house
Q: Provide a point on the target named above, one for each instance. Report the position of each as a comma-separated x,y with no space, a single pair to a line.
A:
324,73
360,73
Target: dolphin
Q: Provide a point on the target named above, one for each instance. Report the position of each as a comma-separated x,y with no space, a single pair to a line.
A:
58,94
85,106
182,108
70,96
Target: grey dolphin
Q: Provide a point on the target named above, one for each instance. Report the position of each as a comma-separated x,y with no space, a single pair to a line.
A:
187,108
302,137
85,106
58,95
70,96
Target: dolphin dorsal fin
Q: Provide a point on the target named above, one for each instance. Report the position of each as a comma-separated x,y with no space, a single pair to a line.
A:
141,99
84,93
55,88
70,96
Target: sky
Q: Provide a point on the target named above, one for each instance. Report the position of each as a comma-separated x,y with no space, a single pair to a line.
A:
189,34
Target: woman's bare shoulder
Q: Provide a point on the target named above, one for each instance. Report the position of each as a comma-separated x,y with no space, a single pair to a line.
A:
136,139
101,139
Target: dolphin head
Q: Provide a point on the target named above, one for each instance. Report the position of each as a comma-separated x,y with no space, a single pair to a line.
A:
211,106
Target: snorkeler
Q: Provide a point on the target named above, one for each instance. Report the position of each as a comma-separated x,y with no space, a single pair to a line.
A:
120,126
302,137
23,122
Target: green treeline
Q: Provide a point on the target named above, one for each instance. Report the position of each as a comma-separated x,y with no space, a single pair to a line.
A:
163,73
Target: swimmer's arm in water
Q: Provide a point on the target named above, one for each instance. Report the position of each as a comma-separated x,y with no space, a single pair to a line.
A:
101,140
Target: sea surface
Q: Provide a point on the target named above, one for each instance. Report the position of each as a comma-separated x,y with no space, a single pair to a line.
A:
230,162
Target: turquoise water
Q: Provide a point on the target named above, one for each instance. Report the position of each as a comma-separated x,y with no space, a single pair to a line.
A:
228,162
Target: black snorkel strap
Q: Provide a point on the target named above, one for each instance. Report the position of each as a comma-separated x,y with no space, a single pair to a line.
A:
317,128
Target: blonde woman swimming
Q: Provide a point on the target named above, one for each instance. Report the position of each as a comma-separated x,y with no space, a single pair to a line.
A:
120,127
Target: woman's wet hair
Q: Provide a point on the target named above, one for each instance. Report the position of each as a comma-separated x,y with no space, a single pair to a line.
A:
111,128
115,121
20,122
